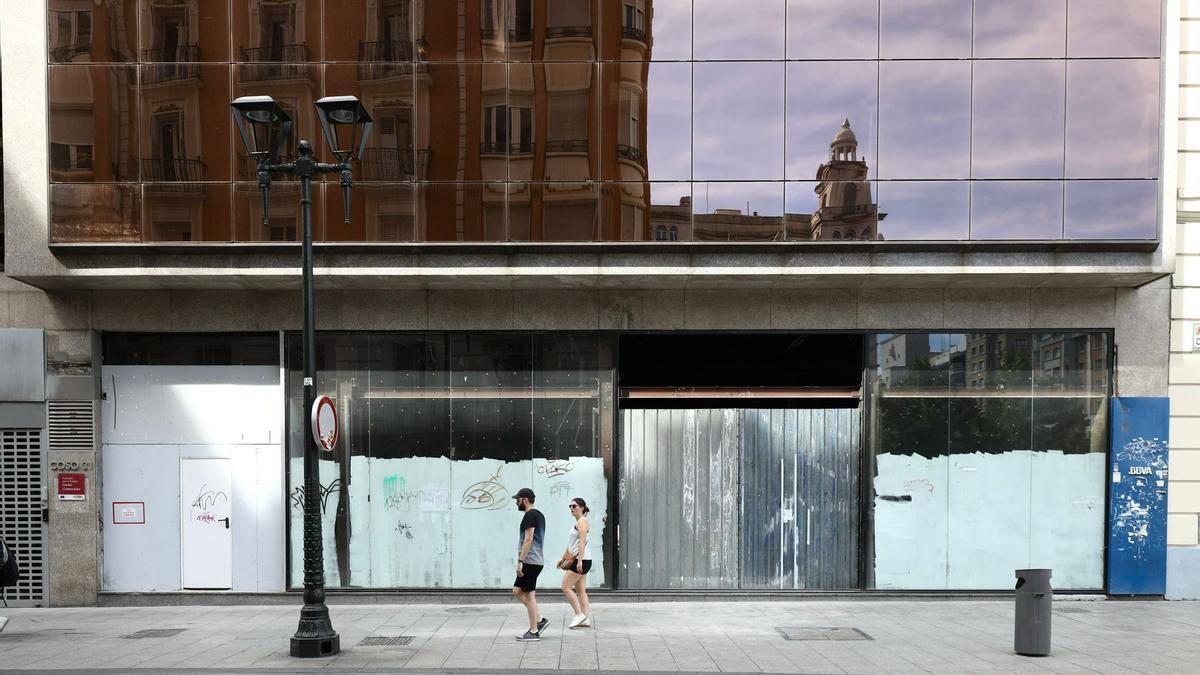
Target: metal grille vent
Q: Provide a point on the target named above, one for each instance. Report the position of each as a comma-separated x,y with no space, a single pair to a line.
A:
386,641
821,633
153,633
72,425
21,511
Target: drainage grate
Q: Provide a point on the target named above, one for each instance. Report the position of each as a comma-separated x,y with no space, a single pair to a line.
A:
466,610
153,633
386,641
821,633
1073,610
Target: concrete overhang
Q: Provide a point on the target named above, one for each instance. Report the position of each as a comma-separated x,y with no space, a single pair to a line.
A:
633,266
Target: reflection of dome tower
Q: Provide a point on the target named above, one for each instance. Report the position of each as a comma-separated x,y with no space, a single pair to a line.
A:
844,206
845,144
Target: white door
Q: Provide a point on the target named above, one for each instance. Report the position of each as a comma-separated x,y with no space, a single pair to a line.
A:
207,534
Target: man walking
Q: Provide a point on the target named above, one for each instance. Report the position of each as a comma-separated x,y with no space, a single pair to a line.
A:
529,563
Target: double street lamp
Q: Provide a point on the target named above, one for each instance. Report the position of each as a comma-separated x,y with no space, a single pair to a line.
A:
265,130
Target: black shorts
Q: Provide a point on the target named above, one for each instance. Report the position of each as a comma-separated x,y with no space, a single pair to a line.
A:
587,567
528,579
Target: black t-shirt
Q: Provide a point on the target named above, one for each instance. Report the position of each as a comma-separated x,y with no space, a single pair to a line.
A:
533,518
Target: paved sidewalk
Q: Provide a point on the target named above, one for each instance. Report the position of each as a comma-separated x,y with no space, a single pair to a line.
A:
906,636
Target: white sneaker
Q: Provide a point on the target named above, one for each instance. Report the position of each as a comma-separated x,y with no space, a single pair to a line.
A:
3,623
578,621
586,623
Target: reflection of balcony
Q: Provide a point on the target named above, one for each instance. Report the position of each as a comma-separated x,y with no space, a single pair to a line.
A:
179,63
488,34
277,62
631,33
155,170
393,165
632,154
67,53
566,146
498,148
568,31
520,35
391,51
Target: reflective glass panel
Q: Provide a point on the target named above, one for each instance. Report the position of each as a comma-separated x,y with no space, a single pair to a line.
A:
554,212
666,23
832,211
378,212
84,31
1016,209
187,212
571,31
184,31
571,103
924,29
280,32
924,119
738,121
831,115
1112,209
1017,119
1112,119
186,129
652,104
821,29
1020,29
98,213
737,211
932,210
1113,28
462,211
724,29
285,218
93,118
647,211
374,30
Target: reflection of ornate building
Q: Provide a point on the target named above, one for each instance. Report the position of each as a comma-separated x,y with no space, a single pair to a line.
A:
845,210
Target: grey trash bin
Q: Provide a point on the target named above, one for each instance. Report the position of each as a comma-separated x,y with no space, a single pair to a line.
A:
1034,596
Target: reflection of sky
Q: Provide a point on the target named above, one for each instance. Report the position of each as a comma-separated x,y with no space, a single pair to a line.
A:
1017,119
765,198
820,95
832,29
1112,119
733,29
801,197
923,210
1106,209
669,194
670,28
1020,28
1016,210
1113,28
669,127
924,119
921,29
738,117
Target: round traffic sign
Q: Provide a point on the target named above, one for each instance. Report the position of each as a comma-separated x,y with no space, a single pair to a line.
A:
324,423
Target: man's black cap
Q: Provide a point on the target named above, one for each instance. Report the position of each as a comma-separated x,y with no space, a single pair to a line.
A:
526,493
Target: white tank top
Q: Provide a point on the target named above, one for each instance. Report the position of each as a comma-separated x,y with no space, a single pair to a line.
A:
573,546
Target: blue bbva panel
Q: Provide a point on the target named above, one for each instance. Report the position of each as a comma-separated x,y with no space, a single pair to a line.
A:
1137,500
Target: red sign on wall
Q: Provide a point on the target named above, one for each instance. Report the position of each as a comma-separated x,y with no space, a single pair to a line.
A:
72,487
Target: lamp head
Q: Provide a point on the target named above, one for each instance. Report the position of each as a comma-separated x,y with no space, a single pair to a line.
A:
264,126
346,124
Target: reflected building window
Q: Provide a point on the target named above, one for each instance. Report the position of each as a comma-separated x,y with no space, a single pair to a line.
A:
569,18
520,17
634,21
70,32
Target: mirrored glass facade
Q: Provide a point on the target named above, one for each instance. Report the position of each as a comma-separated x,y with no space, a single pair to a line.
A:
607,121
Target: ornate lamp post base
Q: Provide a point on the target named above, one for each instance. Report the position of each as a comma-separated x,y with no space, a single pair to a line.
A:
315,637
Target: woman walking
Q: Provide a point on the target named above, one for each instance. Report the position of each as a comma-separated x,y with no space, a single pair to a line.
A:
576,563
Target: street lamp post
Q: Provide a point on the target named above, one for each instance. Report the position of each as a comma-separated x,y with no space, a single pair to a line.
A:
265,128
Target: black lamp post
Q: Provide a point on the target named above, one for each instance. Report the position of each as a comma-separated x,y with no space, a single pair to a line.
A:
265,129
